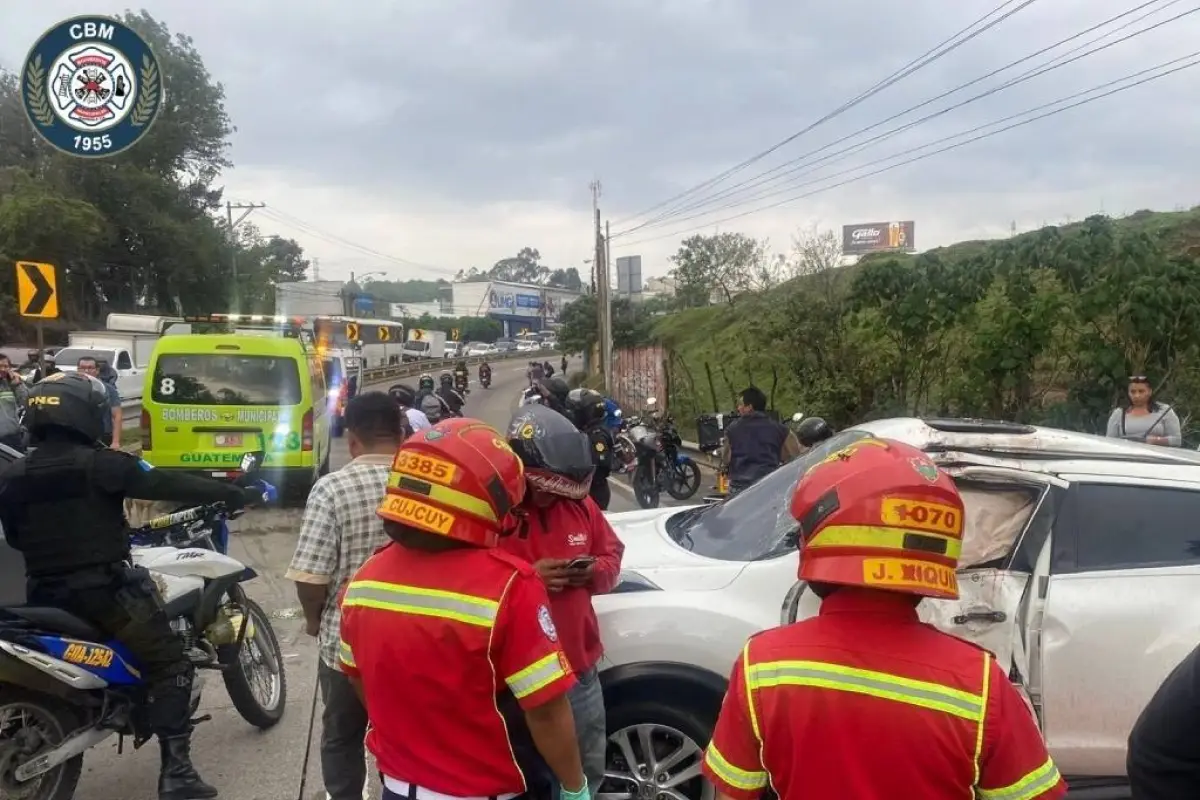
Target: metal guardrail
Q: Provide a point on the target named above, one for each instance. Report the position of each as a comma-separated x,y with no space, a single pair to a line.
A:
131,410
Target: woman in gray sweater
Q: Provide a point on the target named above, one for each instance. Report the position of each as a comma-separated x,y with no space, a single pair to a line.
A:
1145,419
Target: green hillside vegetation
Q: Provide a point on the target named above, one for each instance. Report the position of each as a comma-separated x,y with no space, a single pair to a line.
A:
1042,327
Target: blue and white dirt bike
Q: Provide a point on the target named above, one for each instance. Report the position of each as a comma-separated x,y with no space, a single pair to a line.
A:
65,687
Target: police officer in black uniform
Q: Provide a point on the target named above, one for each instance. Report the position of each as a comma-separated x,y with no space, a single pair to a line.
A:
755,444
450,396
62,507
585,407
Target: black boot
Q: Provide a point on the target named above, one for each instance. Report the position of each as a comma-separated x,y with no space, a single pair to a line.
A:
178,779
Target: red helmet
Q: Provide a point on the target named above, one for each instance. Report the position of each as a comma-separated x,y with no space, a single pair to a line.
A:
459,479
879,514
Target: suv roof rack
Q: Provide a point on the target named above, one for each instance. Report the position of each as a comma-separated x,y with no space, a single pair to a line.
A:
968,425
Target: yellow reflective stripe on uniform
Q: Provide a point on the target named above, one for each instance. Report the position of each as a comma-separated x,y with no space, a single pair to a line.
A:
537,675
750,710
867,682
425,602
446,496
987,681
347,655
736,777
1029,787
877,537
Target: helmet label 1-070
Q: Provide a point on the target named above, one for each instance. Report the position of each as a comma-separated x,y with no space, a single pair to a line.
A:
920,515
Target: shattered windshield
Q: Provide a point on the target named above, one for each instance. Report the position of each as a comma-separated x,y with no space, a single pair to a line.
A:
754,524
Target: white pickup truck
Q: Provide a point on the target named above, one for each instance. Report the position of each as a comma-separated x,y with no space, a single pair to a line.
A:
126,344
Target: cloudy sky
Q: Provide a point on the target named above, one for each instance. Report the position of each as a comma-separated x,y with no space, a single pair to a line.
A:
452,133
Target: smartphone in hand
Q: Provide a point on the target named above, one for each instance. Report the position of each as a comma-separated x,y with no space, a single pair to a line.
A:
581,563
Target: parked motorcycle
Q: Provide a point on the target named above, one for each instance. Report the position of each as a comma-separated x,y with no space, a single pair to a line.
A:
65,687
660,466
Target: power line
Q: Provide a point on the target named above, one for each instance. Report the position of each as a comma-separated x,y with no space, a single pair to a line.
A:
803,168
928,57
1195,56
297,224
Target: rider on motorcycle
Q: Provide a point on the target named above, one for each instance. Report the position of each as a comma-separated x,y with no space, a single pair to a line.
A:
462,376
554,393
585,407
450,396
536,373
485,373
755,444
62,507
429,402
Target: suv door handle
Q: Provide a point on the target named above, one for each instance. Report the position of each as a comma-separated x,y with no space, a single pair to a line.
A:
980,616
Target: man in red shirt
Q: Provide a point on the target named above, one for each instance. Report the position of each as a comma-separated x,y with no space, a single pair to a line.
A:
865,701
449,641
571,545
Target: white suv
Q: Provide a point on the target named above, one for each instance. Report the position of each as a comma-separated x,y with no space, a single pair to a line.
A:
1080,571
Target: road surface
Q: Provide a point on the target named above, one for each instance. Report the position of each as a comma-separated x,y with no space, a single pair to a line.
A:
246,764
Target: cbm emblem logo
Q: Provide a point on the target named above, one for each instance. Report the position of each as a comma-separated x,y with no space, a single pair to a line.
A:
92,87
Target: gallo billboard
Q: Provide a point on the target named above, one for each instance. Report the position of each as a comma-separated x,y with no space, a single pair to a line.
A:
873,237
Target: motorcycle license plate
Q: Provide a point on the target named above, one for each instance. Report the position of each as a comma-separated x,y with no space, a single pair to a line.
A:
228,440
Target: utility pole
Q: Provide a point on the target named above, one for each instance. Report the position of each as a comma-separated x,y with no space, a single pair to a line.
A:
606,342
245,208
316,262
599,275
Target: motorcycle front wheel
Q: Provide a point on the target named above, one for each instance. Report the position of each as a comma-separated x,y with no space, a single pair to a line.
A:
644,487
684,479
254,677
29,724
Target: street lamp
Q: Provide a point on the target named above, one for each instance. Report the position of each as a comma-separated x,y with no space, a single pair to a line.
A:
348,299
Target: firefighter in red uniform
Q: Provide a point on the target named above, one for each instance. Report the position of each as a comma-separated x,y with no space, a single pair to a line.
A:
865,701
449,641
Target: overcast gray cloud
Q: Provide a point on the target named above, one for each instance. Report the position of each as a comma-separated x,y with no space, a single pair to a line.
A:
453,133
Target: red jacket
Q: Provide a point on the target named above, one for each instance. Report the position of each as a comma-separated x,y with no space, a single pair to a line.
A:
435,638
866,702
569,529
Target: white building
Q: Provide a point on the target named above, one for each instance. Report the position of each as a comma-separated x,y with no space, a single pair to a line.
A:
517,306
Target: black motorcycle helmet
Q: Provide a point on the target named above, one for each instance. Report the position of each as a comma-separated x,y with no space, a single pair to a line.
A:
403,394
425,384
585,407
446,379
70,403
813,430
557,456
554,391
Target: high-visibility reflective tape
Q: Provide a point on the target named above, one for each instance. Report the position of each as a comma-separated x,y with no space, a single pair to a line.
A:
1028,787
822,675
424,602
878,537
536,676
905,573
346,654
419,484
416,513
735,776
921,515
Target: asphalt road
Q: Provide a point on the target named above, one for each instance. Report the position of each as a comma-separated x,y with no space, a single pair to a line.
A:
244,763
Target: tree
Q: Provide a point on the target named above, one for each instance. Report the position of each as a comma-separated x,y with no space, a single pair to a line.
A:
723,264
521,268
814,251
565,279
139,231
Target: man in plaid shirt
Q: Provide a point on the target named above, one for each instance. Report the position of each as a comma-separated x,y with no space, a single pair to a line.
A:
339,532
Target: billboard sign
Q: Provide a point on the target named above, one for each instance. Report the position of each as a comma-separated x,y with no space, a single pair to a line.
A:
874,237
629,275
506,300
